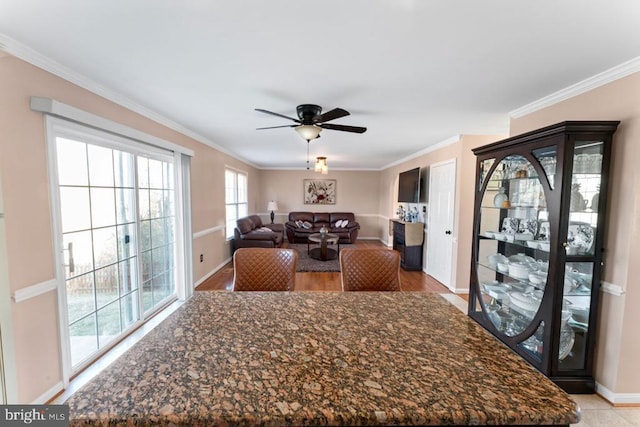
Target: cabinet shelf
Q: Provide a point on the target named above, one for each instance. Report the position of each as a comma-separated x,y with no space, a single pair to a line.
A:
574,157
516,242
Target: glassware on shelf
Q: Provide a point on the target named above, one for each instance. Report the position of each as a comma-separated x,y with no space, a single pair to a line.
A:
578,202
500,197
519,299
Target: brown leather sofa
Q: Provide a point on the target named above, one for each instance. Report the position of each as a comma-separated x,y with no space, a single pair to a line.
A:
298,233
251,233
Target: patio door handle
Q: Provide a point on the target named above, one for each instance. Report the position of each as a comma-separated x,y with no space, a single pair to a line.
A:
71,262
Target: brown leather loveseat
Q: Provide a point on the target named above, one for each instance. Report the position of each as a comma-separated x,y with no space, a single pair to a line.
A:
302,224
251,233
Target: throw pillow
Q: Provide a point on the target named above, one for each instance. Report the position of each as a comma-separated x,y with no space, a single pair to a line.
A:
263,229
345,223
338,223
307,225
299,223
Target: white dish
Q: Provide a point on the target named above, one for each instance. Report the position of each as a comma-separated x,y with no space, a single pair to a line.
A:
494,259
519,271
543,266
489,234
544,245
533,244
522,287
496,289
581,237
537,278
510,225
528,301
528,226
524,236
567,339
503,267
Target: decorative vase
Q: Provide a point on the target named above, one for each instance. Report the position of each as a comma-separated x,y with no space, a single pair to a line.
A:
578,204
323,230
500,198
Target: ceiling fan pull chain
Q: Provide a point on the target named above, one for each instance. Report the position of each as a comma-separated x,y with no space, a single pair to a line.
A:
307,154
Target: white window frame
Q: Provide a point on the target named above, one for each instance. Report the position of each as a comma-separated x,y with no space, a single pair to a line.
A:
237,203
60,127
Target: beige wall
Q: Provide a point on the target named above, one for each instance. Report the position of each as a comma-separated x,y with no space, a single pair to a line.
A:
23,165
618,345
356,191
465,182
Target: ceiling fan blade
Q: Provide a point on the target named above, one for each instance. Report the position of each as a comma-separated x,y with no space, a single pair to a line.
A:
277,114
275,127
336,113
355,129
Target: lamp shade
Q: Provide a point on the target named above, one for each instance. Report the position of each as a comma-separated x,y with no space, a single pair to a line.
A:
308,132
272,206
321,165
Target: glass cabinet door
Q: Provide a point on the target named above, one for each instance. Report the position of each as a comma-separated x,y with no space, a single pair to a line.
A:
579,245
514,240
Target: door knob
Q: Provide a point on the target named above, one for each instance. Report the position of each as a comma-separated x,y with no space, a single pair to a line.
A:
447,232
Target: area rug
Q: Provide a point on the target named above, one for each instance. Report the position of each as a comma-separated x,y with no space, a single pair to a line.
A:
306,263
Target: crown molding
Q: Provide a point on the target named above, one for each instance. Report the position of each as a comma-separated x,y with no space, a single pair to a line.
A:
600,79
451,140
35,58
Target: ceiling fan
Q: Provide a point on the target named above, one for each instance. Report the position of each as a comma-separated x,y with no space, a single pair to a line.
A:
311,121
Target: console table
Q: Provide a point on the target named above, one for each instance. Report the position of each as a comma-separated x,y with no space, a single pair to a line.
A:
407,239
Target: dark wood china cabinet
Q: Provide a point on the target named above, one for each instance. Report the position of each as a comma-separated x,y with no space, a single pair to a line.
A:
539,216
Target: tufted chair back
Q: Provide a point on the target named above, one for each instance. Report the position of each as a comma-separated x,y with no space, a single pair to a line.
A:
369,269
264,269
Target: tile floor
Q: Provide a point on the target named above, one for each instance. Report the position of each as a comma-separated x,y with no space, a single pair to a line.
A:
597,412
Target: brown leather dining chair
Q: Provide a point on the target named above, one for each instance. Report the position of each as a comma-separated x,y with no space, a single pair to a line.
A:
369,269
264,269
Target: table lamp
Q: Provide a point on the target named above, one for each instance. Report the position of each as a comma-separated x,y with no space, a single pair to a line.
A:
272,206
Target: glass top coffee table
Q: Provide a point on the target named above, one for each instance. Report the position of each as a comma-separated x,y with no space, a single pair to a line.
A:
323,253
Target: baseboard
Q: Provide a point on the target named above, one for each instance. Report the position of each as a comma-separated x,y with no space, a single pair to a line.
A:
211,273
49,394
618,399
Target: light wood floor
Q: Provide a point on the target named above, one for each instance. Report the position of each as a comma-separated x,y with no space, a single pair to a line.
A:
415,281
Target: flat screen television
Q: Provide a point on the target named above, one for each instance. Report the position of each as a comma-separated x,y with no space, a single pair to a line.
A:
409,186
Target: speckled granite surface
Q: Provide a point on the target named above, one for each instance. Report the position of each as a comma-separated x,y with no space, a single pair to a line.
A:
320,358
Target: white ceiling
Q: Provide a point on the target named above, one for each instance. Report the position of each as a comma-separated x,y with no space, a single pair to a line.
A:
414,72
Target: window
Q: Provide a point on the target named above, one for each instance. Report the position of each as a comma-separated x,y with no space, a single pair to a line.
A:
116,210
235,198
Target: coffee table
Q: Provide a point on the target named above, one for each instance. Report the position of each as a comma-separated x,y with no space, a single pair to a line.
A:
323,253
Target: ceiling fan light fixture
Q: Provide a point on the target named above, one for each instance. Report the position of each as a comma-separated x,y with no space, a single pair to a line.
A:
308,132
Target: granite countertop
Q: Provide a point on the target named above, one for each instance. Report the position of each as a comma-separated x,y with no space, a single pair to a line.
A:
320,358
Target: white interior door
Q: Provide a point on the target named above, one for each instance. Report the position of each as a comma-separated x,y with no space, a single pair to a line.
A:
442,189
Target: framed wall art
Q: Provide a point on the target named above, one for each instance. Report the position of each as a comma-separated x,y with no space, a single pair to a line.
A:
319,191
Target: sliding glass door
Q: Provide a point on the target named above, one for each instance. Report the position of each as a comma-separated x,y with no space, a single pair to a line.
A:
117,226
